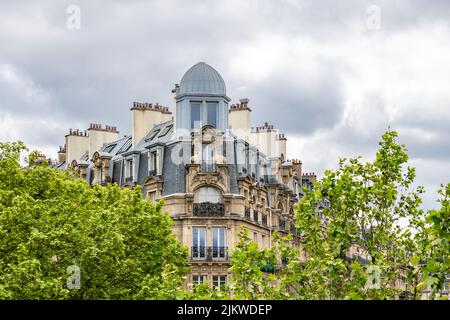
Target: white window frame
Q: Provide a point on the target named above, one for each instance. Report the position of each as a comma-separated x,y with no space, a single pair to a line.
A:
221,281
197,243
198,279
220,242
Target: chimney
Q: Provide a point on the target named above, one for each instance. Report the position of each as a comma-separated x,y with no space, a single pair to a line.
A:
62,154
281,139
311,176
144,116
240,119
77,143
98,136
265,138
297,164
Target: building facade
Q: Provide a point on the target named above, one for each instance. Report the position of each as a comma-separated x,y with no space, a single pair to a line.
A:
215,173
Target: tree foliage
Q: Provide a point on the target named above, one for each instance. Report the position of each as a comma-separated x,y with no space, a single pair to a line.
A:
50,220
367,207
363,236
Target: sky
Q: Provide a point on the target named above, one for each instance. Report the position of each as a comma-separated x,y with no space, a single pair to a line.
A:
331,75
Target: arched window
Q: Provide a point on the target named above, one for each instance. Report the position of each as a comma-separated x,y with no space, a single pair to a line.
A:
207,194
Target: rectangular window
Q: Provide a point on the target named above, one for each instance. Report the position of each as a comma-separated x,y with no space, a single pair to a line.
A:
198,279
263,241
153,163
195,115
208,153
212,113
219,282
255,237
129,170
198,242
219,242
255,216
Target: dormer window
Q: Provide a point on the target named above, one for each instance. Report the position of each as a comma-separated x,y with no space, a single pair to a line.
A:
129,170
155,158
153,162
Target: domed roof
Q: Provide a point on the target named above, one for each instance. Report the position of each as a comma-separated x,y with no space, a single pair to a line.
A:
202,79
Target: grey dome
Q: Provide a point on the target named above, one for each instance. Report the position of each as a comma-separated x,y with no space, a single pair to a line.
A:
202,79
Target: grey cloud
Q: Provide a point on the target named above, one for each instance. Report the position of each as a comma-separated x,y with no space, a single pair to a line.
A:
136,50
290,103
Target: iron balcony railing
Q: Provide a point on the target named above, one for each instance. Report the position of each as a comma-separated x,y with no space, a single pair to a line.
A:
207,166
209,253
208,209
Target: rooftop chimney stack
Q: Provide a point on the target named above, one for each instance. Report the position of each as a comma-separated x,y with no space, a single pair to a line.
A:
98,136
240,119
146,115
297,164
77,143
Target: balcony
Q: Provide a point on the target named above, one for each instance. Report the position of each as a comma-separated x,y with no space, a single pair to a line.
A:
247,213
208,209
206,166
129,179
209,253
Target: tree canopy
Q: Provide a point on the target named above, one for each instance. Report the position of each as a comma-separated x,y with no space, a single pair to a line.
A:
61,238
363,235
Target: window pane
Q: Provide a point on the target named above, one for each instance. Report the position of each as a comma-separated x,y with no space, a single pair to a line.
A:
212,114
219,242
215,237
202,241
198,242
219,282
195,115
208,152
207,194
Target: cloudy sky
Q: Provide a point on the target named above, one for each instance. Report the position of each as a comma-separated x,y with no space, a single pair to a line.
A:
332,75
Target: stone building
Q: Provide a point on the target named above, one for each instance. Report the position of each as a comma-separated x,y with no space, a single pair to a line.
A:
214,171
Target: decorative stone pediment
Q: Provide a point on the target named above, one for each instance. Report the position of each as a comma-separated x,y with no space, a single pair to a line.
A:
208,134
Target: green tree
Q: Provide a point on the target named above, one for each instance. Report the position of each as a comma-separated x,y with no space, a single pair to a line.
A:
366,206
51,221
249,281
433,256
